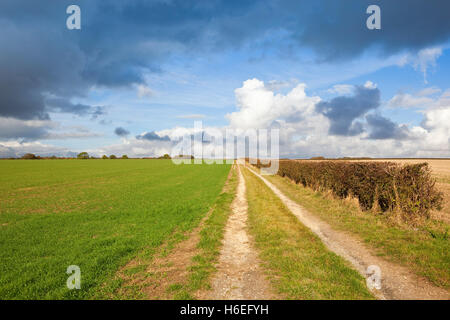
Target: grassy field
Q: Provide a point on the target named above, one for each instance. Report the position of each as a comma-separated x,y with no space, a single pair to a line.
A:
424,249
296,261
96,214
175,270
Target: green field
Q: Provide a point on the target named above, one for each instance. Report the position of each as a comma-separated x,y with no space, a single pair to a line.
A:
96,214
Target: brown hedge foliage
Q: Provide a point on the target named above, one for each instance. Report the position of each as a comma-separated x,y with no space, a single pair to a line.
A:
386,185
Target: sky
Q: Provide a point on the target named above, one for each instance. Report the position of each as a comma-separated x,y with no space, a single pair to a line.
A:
138,74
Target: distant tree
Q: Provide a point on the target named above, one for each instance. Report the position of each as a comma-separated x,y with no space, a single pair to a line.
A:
112,157
318,158
83,155
166,156
29,156
104,156
53,157
124,156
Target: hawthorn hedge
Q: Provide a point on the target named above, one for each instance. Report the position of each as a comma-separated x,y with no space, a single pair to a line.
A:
382,186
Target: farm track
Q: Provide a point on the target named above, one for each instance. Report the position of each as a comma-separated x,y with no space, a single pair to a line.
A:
397,281
238,276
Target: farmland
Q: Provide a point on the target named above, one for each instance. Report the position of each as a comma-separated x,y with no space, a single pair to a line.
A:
150,229
96,214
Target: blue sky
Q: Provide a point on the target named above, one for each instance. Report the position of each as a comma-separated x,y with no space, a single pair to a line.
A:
155,66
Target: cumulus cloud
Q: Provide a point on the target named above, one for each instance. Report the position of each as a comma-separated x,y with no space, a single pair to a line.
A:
259,107
383,128
348,125
305,123
342,111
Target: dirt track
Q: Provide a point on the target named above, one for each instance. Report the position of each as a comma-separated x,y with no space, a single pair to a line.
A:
397,281
238,276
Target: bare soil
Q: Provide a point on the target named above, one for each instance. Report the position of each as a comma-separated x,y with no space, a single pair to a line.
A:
397,281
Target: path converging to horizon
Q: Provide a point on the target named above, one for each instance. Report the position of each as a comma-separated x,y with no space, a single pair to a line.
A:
239,276
397,282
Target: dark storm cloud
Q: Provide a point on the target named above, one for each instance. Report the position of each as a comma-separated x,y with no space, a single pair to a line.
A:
337,29
383,128
342,111
16,129
121,132
65,106
152,136
121,41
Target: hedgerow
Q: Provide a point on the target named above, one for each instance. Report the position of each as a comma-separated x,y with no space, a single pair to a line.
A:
379,186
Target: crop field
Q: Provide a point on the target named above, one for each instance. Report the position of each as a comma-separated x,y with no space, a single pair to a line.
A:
96,214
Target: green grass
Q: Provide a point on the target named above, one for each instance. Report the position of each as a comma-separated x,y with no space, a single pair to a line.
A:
425,249
297,263
97,214
211,235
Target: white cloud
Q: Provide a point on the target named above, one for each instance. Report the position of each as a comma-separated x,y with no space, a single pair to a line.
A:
17,149
303,131
421,61
259,107
426,58
144,91
370,85
406,100
428,91
424,99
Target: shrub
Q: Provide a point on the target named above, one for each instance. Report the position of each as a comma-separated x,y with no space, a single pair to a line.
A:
383,186
29,156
